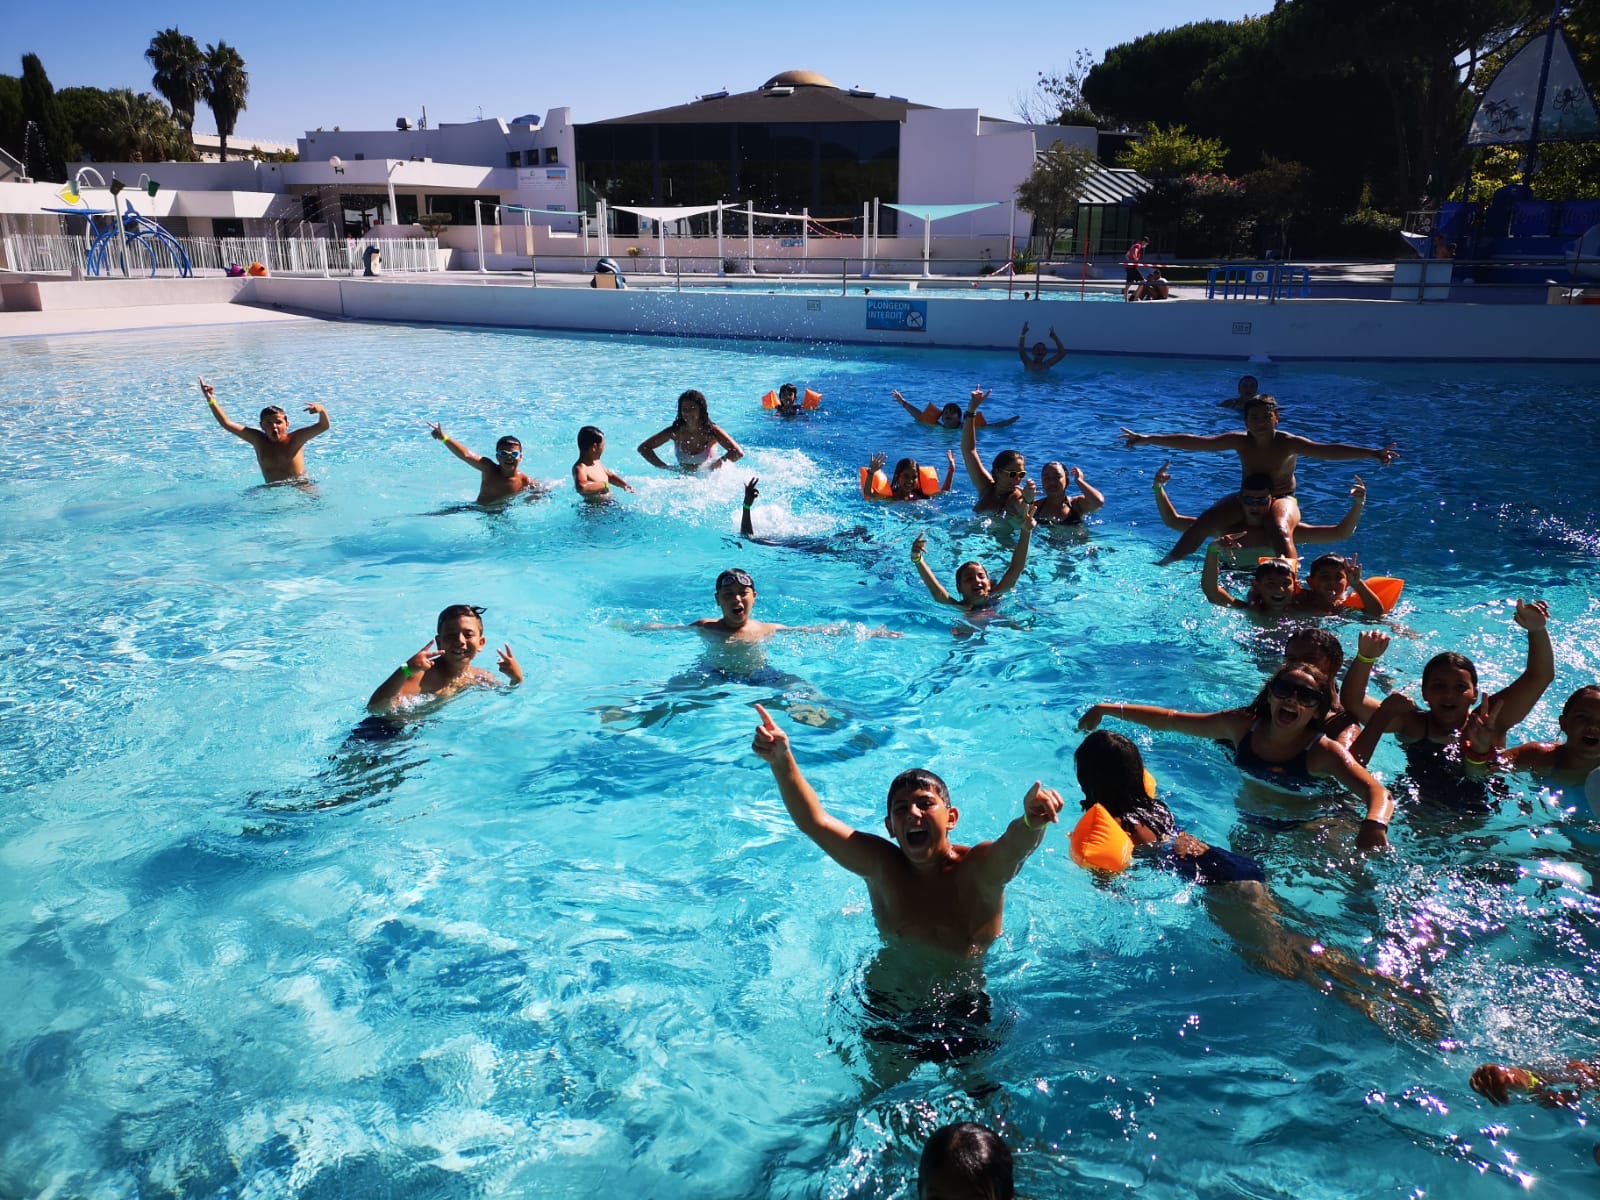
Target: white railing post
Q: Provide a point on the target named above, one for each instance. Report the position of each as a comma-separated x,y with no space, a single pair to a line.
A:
477,210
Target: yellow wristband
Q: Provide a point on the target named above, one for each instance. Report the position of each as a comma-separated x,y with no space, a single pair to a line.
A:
1026,824
1362,658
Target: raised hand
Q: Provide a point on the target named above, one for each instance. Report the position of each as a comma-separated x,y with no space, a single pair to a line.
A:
950,456
318,409
424,658
1352,570
750,492
1388,454
1480,733
771,743
978,397
1532,614
205,390
1024,329
507,662
875,463
438,431
1358,490
919,547
1076,475
1041,804
1163,476
1371,643
1090,721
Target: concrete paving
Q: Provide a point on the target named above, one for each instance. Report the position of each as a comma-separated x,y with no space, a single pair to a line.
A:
149,316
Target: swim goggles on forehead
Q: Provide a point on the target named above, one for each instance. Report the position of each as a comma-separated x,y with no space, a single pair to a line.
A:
729,580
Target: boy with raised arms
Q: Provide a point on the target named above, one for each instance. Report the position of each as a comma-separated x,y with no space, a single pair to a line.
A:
1260,535
279,452
590,476
974,589
924,888
442,672
1039,362
499,479
1262,450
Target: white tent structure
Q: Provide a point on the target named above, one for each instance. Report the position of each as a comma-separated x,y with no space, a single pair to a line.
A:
662,215
928,214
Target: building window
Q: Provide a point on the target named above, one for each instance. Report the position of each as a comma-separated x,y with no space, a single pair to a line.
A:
530,158
513,159
551,154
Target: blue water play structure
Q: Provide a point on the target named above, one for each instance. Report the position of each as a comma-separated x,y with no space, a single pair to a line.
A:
125,244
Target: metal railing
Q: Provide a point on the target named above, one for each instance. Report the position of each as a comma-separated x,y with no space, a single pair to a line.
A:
57,254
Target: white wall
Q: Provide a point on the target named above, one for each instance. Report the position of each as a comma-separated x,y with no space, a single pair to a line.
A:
1218,329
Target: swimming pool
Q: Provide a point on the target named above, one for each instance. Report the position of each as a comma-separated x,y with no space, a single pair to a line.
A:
1054,289
565,941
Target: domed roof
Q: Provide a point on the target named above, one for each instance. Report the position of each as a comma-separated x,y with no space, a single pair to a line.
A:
800,79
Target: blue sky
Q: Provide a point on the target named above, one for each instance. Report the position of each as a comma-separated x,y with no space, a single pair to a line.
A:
361,66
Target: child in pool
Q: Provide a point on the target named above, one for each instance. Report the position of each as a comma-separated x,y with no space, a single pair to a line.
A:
590,476
694,438
974,591
1039,360
441,673
924,888
948,417
965,1162
1056,507
1568,763
906,483
279,453
1000,492
499,479
1273,587
1449,738
1277,741
1495,1082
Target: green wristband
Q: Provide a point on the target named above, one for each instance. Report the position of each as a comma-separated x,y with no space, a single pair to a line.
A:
1362,658
1026,824
405,671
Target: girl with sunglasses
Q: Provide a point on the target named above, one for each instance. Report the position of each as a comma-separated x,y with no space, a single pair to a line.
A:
1277,741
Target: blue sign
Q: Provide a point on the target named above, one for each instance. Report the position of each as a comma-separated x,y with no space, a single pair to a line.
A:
906,316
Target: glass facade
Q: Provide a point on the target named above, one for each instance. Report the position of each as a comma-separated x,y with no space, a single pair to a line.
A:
829,168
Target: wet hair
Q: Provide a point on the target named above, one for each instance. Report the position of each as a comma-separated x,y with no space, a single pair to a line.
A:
950,410
1251,380
788,391
973,1154
272,410
905,464
914,778
1260,400
1272,566
1259,482
970,565
588,438
1260,707
695,400
1054,463
508,440
1006,458
1328,560
456,611
1590,692
1450,660
1327,646
1111,773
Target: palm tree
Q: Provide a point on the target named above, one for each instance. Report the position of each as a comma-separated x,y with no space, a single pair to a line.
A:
140,126
227,84
180,76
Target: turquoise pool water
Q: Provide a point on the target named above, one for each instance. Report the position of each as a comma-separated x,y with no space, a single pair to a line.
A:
564,940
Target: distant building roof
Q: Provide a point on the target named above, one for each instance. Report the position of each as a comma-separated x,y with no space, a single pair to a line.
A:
1112,185
793,96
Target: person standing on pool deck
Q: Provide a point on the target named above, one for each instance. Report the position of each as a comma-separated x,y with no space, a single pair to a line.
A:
1038,362
279,453
499,479
1134,261
590,476
924,888
1263,450
442,672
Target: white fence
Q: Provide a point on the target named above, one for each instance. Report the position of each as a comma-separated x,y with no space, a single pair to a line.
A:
59,255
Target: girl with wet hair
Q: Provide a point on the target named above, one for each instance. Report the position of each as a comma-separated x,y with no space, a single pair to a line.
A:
965,1162
694,438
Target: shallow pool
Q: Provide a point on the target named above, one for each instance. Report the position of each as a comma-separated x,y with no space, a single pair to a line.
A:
564,940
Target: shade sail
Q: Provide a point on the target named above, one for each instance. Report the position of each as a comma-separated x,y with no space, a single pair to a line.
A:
665,214
938,212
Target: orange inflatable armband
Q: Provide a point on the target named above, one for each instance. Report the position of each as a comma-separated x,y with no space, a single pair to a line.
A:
1099,843
1386,588
879,484
770,400
812,399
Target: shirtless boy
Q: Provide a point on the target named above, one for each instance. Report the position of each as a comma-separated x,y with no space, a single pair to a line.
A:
499,479
1038,362
736,597
924,888
1262,450
1248,387
974,591
1255,497
590,476
440,673
280,453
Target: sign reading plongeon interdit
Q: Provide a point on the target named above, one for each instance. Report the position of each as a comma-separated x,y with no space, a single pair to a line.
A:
906,316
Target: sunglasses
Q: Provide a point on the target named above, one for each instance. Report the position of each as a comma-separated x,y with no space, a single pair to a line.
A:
1284,690
1255,501
508,453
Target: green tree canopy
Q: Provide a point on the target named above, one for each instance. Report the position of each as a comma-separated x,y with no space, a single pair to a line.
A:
227,86
1146,81
1050,192
11,116
1173,153
47,145
180,76
121,125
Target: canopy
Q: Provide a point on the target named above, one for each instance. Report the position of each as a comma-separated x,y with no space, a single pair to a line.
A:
669,214
928,214
1539,96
